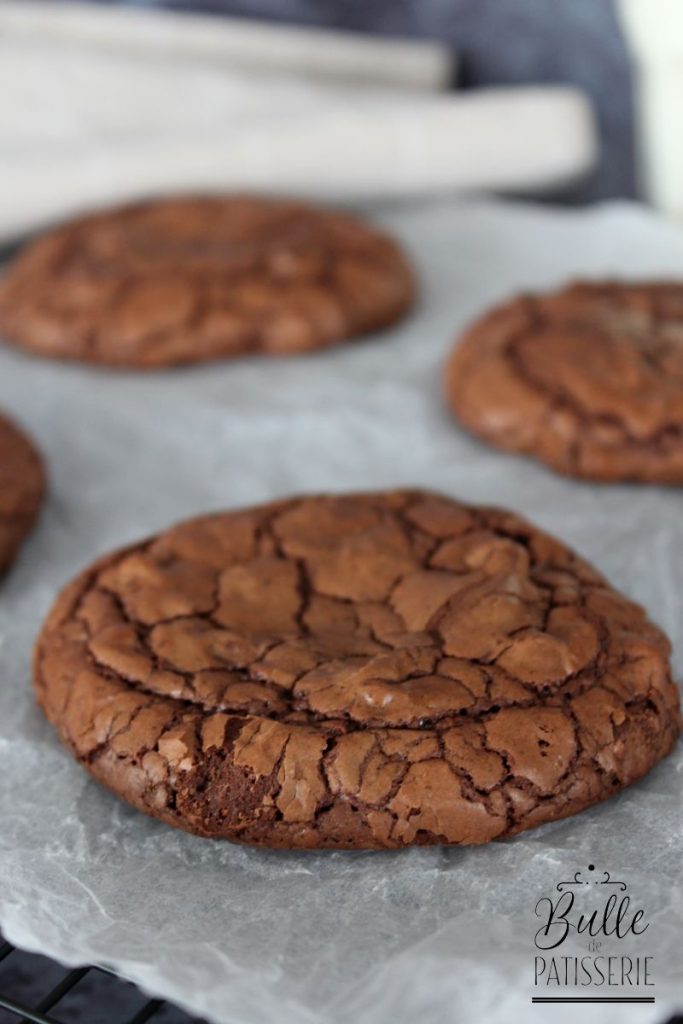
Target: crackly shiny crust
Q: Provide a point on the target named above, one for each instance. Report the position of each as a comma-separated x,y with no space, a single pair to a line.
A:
363,671
190,279
22,485
589,380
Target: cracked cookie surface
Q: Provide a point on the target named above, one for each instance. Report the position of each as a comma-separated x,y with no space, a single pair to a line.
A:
358,671
22,486
191,279
589,380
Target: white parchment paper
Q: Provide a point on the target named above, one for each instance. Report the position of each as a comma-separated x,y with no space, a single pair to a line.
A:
256,937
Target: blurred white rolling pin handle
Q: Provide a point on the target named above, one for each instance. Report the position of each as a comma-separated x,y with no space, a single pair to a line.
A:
654,33
238,42
85,124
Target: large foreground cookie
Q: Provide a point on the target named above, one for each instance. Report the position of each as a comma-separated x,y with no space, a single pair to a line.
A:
364,671
590,380
185,280
22,484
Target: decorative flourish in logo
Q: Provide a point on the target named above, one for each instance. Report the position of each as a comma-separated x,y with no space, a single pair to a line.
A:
594,910
606,880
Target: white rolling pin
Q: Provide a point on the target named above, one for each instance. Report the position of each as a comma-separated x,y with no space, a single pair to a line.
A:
83,125
235,42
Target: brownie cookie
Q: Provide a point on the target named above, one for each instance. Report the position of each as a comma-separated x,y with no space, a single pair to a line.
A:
367,671
22,485
589,380
186,280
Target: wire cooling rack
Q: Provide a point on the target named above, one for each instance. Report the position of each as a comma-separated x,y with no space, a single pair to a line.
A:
85,995
36,990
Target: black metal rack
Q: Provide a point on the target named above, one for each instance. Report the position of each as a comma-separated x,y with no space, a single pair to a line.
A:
84,995
97,1006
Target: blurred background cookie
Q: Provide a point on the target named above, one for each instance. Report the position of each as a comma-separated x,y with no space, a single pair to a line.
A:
22,485
190,279
589,380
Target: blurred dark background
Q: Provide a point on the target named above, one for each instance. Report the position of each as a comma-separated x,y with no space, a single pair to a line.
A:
499,42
